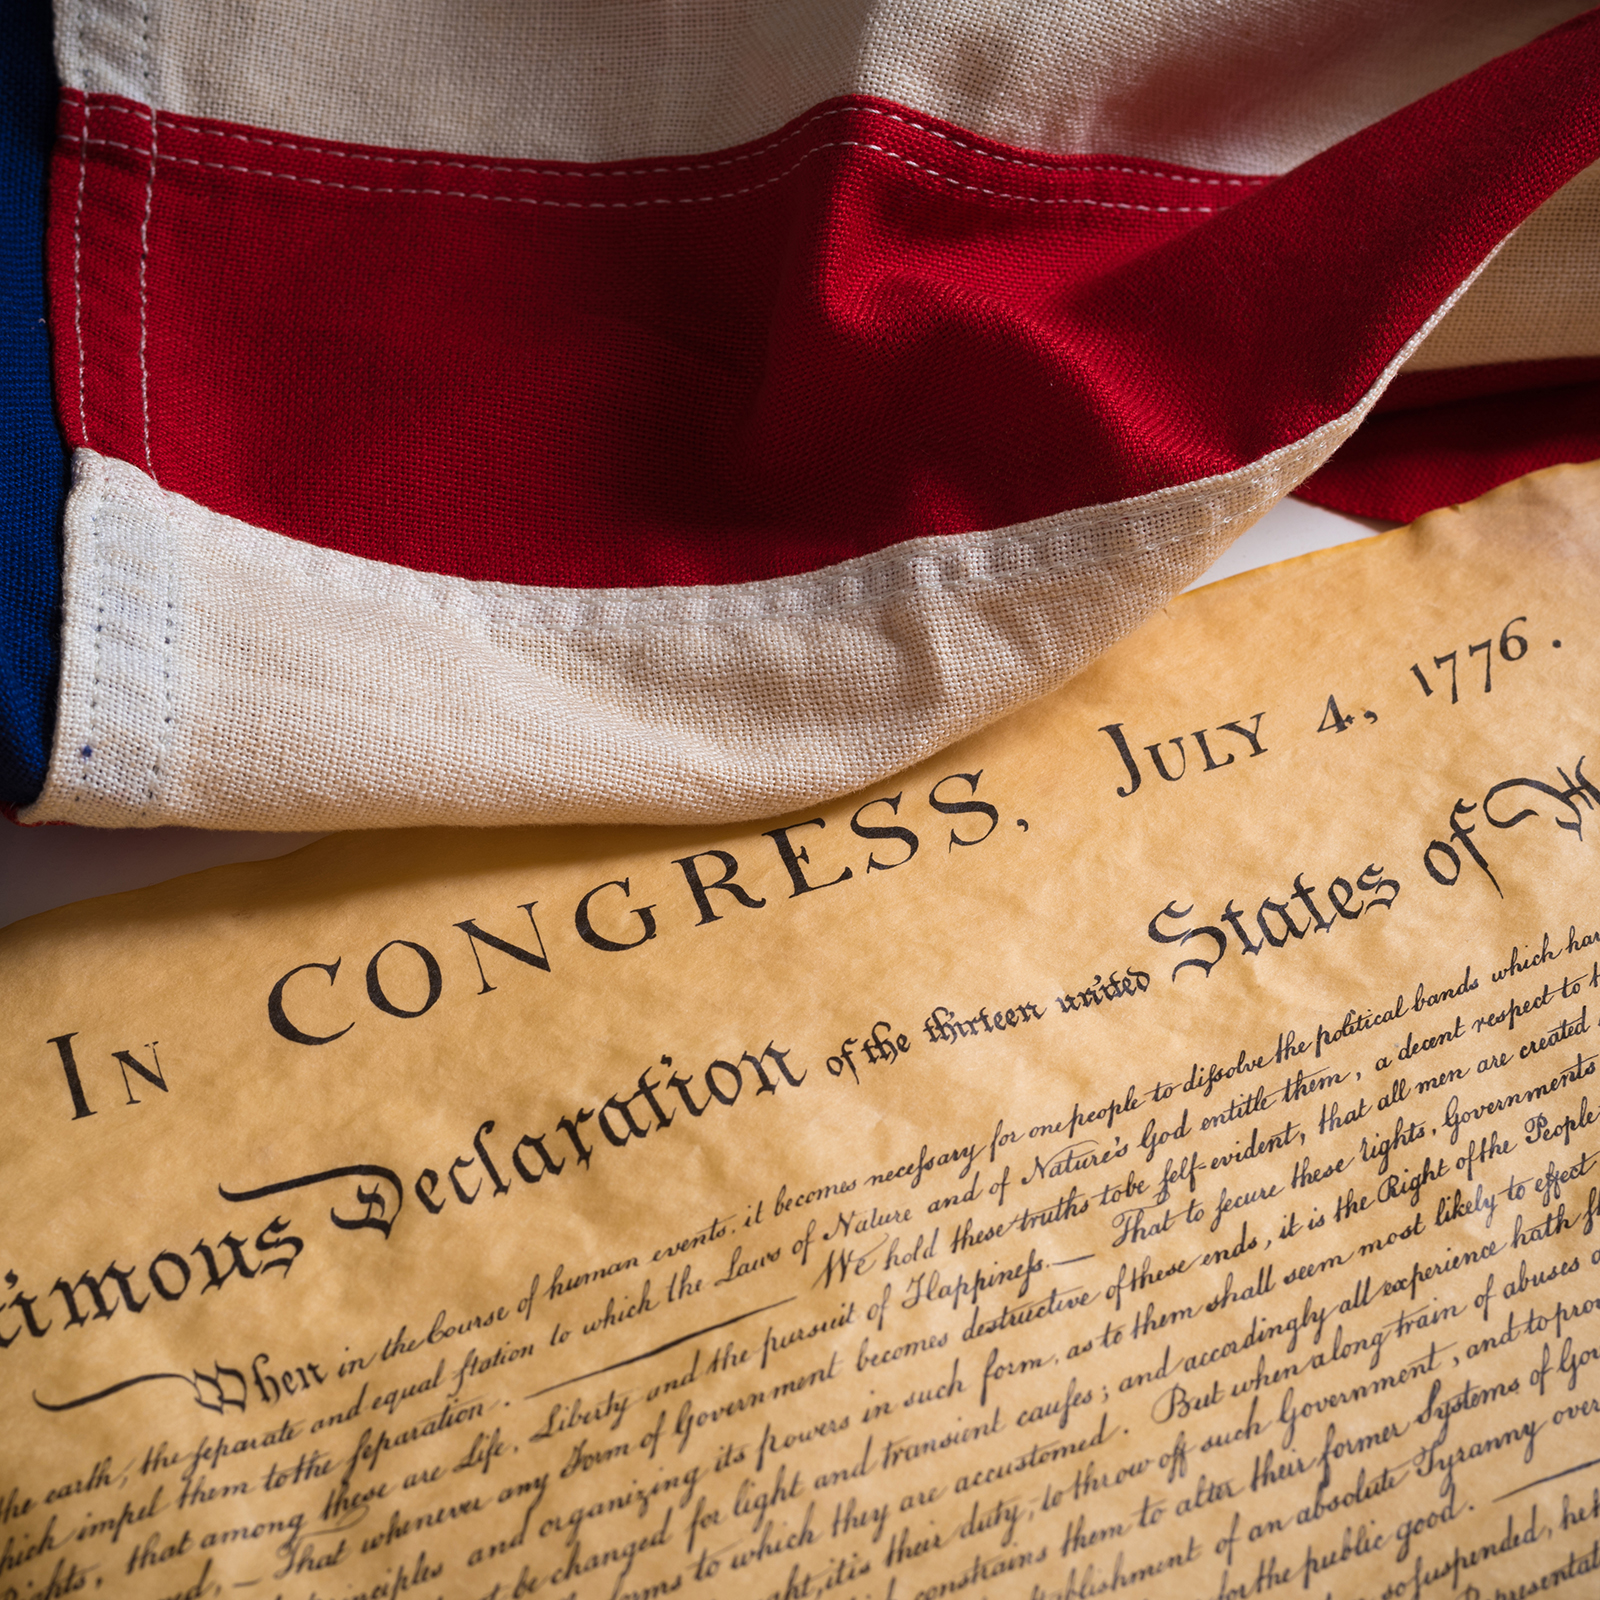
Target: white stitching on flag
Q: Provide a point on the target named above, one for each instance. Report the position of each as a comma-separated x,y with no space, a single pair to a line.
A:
1064,167
700,199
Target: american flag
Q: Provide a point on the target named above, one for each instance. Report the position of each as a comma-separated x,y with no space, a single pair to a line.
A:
595,411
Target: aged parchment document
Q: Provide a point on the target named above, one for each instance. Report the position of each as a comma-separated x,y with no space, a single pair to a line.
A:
1149,1151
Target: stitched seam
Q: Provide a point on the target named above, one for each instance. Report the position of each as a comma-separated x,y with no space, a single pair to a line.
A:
163,750
158,756
581,171
77,264
87,751
144,263
667,200
1033,569
1242,492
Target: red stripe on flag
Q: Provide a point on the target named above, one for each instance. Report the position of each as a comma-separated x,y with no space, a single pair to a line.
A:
1402,463
868,328
1413,391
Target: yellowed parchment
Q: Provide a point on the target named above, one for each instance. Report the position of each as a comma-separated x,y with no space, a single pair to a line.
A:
1148,1151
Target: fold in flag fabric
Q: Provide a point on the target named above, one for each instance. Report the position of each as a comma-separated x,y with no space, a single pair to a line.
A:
584,411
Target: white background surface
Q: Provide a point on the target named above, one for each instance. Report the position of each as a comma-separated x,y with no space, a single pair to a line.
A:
45,867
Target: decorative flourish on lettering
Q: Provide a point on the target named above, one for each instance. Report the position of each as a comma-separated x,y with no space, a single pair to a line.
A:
1443,860
212,1391
376,1215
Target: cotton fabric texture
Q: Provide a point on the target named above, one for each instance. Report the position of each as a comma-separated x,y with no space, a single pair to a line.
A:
594,412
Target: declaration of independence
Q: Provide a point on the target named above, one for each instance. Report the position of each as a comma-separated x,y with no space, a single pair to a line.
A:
1146,1151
